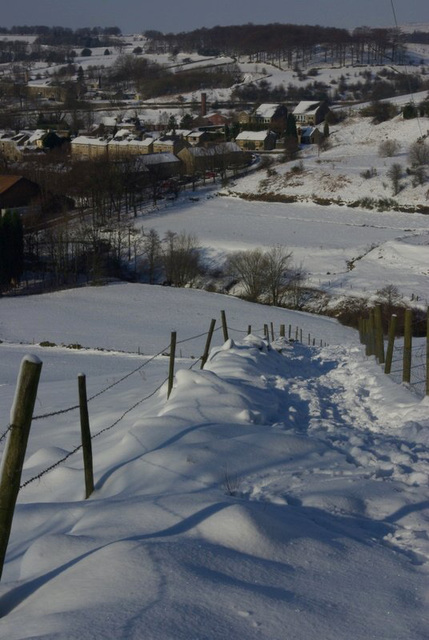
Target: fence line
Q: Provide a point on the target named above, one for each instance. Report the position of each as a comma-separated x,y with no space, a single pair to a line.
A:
26,408
411,361
86,436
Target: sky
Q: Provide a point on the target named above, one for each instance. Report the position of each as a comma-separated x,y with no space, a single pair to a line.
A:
135,16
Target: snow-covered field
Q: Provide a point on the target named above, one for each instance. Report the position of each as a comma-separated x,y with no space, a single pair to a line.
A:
272,493
387,248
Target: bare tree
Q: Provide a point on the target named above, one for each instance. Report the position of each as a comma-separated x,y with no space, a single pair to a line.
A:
395,175
249,267
152,252
181,258
277,273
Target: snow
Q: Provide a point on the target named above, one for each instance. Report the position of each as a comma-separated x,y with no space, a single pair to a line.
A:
281,491
322,239
282,487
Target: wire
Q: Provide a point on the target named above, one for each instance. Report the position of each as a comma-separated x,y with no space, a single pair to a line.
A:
95,435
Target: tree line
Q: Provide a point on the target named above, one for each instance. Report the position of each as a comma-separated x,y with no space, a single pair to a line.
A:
287,43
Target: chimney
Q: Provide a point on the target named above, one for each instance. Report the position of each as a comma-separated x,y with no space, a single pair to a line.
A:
203,104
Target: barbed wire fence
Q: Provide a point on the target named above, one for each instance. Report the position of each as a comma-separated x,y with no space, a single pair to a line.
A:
405,363
148,361
14,430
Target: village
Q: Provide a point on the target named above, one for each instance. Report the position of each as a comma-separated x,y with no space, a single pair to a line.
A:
205,149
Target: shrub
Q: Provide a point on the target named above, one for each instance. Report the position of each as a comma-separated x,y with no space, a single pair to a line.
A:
419,153
380,111
388,148
369,173
297,168
409,112
385,204
350,310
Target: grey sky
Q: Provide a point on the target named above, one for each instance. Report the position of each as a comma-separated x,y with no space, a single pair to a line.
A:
134,16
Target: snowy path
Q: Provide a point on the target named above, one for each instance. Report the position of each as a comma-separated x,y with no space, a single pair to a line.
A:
340,402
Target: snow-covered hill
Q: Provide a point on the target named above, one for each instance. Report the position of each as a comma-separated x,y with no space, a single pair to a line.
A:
337,173
281,488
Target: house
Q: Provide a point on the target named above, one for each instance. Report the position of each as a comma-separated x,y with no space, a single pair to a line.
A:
170,144
217,157
217,119
244,117
256,140
87,148
197,137
309,135
191,136
13,146
19,194
45,140
163,165
270,115
123,144
310,113
195,159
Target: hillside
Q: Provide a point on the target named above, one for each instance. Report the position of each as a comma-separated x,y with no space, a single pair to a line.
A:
272,490
352,170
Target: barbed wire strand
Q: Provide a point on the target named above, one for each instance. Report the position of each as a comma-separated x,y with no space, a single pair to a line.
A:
125,377
3,436
93,436
99,393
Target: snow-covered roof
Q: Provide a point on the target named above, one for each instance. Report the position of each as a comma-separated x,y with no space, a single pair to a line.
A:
109,121
37,135
129,142
306,106
96,142
179,132
159,158
266,110
121,133
253,135
195,134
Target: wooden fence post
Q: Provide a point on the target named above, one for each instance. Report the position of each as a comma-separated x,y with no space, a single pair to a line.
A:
406,366
208,342
296,334
379,337
361,330
172,358
16,445
249,329
390,344
224,326
266,333
86,436
282,331
272,332
427,352
371,337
